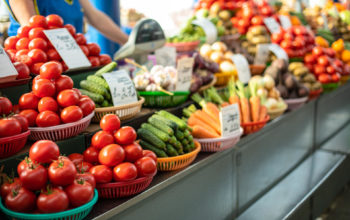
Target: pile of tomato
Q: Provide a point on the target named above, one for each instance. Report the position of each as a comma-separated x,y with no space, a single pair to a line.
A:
322,62
53,99
114,155
32,47
296,41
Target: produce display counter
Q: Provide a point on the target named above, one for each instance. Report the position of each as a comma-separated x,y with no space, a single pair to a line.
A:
340,142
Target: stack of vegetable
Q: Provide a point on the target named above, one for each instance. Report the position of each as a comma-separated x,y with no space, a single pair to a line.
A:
303,75
203,70
166,135
256,35
96,87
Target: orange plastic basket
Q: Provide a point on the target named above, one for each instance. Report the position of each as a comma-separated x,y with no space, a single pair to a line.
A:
11,145
178,162
223,78
315,94
252,127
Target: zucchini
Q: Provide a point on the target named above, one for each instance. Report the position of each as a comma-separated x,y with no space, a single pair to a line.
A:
97,98
161,125
171,151
108,68
182,125
151,138
157,151
160,134
179,135
168,122
98,80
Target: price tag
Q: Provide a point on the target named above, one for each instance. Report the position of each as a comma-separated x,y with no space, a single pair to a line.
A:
229,118
7,70
325,21
272,25
279,52
184,73
166,56
262,54
67,48
285,21
121,86
242,67
211,33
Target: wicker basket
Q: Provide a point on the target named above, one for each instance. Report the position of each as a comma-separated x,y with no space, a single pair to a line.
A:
11,145
124,112
178,162
156,99
184,46
275,113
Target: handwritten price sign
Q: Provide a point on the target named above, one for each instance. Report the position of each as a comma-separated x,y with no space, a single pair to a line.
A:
184,74
272,25
230,122
262,54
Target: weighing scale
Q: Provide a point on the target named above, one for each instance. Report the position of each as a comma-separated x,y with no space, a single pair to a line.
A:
146,37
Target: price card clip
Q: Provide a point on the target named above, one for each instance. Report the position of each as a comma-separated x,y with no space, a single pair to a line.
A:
184,74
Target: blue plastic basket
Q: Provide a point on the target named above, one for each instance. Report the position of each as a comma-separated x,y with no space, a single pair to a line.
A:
72,214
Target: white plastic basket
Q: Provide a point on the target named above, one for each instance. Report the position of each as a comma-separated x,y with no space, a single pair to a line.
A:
296,103
220,144
60,132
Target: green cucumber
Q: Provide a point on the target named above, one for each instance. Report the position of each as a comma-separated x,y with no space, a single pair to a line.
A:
171,151
187,133
98,80
108,68
161,125
168,122
105,103
179,135
151,138
157,151
184,142
182,125
160,134
97,98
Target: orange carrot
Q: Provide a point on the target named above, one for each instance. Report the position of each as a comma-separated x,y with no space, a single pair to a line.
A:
225,104
233,99
200,132
254,102
207,119
263,113
194,120
244,103
212,110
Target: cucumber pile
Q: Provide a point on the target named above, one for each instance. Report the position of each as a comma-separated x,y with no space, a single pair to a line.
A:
166,135
96,87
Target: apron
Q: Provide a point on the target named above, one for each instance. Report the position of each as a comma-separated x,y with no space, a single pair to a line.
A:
69,10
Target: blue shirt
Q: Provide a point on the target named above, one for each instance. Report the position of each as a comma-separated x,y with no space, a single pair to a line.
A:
69,10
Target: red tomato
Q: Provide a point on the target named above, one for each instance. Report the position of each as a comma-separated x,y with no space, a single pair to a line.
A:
34,177
84,49
35,68
110,122
76,158
125,172
47,119
37,43
5,106
62,172
323,60
21,200
335,77
330,70
52,200
24,59
95,61
102,173
309,59
44,151
286,44
47,104
84,167
37,21
133,152
88,177
125,135
53,55
257,20
87,106
319,69
9,186
101,139
23,31
22,43
51,70
324,78
338,63
111,155
11,54
80,39
330,52
9,127
317,51
71,114
105,59
23,121
15,109
22,69
43,88
10,42
94,49
71,29
37,55
67,97
91,155
54,20
36,33
277,37
23,165
30,115
79,193
63,82
146,166
151,154
266,10
28,101
298,42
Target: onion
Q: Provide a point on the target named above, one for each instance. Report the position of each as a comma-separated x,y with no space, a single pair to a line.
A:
205,50
271,103
228,55
216,56
258,80
269,82
262,93
227,67
219,46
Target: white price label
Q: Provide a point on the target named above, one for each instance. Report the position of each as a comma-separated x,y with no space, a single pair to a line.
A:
272,25
229,118
67,48
121,86
285,21
7,70
184,74
242,67
325,21
166,56
262,54
279,52
211,33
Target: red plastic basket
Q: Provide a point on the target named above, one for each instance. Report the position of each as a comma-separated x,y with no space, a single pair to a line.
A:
11,145
315,94
60,132
252,127
184,46
123,189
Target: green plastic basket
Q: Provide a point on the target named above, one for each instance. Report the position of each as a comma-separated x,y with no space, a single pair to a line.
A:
162,100
329,87
72,214
296,59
